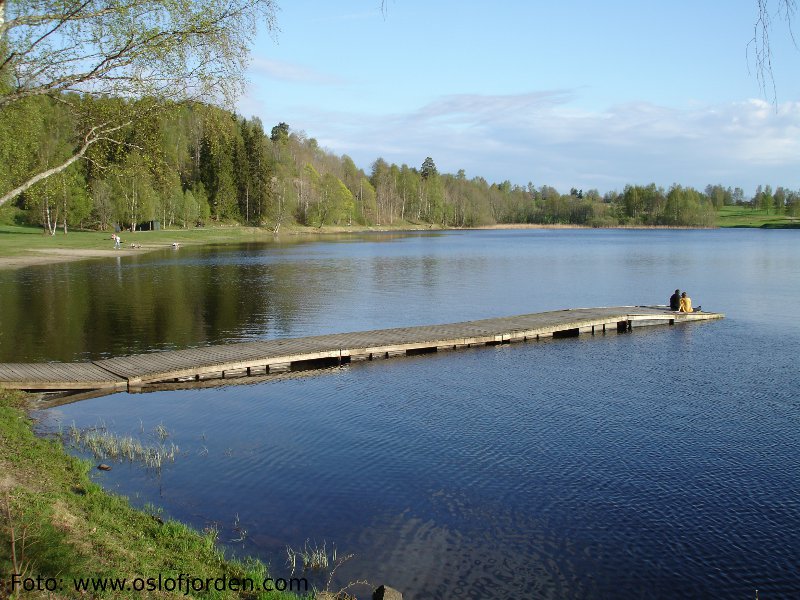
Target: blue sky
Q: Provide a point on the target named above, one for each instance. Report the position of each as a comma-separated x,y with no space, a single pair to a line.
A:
571,93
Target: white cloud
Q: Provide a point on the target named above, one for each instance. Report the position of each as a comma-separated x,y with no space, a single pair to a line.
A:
540,137
291,72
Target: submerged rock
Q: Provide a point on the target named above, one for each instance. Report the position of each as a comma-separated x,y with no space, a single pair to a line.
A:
384,592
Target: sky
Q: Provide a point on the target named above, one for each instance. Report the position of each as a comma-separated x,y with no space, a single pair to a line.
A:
568,93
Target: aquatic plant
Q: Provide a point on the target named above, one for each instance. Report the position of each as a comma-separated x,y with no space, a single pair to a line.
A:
161,432
312,556
240,531
105,445
74,433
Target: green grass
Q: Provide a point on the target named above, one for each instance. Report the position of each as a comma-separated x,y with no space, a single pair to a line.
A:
742,216
16,240
73,528
22,240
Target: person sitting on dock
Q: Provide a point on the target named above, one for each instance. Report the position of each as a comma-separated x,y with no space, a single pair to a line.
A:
686,304
675,301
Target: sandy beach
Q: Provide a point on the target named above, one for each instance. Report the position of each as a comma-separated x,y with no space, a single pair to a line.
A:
45,256
42,256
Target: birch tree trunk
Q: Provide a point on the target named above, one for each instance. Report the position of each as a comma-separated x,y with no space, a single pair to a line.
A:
65,205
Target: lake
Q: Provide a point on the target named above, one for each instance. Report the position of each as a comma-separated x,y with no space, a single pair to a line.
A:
659,463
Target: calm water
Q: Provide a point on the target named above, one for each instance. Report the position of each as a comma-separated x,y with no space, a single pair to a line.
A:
662,463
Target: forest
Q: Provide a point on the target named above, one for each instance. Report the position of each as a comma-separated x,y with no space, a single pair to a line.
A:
190,164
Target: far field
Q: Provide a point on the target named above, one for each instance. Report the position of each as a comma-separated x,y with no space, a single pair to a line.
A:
743,216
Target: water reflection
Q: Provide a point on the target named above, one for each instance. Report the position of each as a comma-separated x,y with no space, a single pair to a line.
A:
577,468
660,463
200,296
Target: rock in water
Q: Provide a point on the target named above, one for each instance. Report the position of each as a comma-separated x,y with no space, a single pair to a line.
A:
386,593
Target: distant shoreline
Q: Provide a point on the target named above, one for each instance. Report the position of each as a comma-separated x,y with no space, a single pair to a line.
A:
568,226
38,255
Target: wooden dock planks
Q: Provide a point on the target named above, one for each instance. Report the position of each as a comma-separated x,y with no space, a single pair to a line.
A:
58,376
134,371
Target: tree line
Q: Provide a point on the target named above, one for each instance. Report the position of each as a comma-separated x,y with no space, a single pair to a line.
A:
76,149
190,164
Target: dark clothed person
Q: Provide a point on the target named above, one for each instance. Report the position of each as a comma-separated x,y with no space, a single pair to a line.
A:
675,301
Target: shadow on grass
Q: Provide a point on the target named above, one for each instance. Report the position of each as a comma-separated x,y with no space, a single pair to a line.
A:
774,225
20,229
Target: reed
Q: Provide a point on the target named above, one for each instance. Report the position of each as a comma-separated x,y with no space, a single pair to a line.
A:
312,556
103,444
161,432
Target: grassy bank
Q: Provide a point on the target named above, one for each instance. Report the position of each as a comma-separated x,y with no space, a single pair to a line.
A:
22,246
742,216
56,523
16,239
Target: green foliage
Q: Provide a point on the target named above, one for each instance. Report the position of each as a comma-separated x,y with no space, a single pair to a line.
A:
331,203
255,171
793,204
22,127
134,198
432,197
103,209
93,58
202,206
186,164
366,206
764,199
280,133
152,140
719,196
12,215
684,207
428,168
679,207
339,199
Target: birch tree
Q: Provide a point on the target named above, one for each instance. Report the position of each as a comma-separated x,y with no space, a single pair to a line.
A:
131,49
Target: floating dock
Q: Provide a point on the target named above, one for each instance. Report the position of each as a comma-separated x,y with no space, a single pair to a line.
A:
148,371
